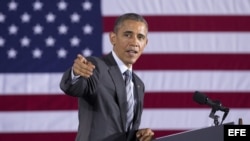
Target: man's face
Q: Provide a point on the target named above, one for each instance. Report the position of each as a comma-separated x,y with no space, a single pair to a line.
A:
129,41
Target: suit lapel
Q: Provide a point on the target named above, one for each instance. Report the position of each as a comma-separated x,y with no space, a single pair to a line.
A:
120,90
139,96
118,81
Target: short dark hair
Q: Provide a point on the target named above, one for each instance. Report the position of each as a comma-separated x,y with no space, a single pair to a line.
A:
128,16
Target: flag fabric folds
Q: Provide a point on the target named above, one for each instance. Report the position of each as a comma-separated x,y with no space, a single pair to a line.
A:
193,46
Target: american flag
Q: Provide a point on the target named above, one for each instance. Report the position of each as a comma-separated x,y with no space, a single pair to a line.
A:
193,46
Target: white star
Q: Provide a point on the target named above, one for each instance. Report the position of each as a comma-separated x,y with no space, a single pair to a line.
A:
50,41
74,41
13,29
50,17
37,5
2,42
25,17
38,29
62,29
12,53
25,41
87,52
62,53
2,18
37,53
13,5
62,5
86,6
87,29
75,17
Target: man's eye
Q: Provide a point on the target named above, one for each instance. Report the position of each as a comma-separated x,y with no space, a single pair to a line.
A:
127,35
141,37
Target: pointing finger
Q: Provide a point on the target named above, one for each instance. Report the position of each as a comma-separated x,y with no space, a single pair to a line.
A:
82,59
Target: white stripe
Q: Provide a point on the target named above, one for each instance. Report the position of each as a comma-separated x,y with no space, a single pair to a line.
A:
158,81
188,118
155,81
30,83
157,119
38,121
192,42
176,7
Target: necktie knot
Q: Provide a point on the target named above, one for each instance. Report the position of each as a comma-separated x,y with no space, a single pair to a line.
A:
128,76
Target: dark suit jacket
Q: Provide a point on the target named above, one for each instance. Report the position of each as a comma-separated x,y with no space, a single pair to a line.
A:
102,102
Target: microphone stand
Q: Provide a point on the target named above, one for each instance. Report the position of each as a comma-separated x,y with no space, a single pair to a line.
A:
214,117
215,108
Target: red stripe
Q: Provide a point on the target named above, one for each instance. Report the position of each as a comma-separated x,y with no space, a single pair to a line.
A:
191,23
152,100
68,136
193,62
37,102
162,133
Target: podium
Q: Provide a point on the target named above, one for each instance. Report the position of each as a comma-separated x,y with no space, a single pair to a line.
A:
213,133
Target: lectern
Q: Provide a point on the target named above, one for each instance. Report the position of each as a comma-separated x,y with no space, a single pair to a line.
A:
213,133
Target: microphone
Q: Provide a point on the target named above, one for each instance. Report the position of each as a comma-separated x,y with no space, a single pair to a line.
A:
203,99
216,105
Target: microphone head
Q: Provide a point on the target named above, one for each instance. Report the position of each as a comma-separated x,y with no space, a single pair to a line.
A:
200,98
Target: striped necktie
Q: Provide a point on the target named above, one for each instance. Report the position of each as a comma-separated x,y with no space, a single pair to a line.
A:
130,98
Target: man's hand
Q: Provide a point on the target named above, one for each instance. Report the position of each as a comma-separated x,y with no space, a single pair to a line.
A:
145,134
83,67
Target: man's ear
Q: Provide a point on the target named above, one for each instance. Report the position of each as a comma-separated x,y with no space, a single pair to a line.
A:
112,38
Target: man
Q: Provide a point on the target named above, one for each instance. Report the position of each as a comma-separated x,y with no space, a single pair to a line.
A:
101,90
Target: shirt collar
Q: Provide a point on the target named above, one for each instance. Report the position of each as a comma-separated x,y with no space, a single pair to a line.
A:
120,64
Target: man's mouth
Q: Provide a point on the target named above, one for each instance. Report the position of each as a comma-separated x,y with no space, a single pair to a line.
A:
132,51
